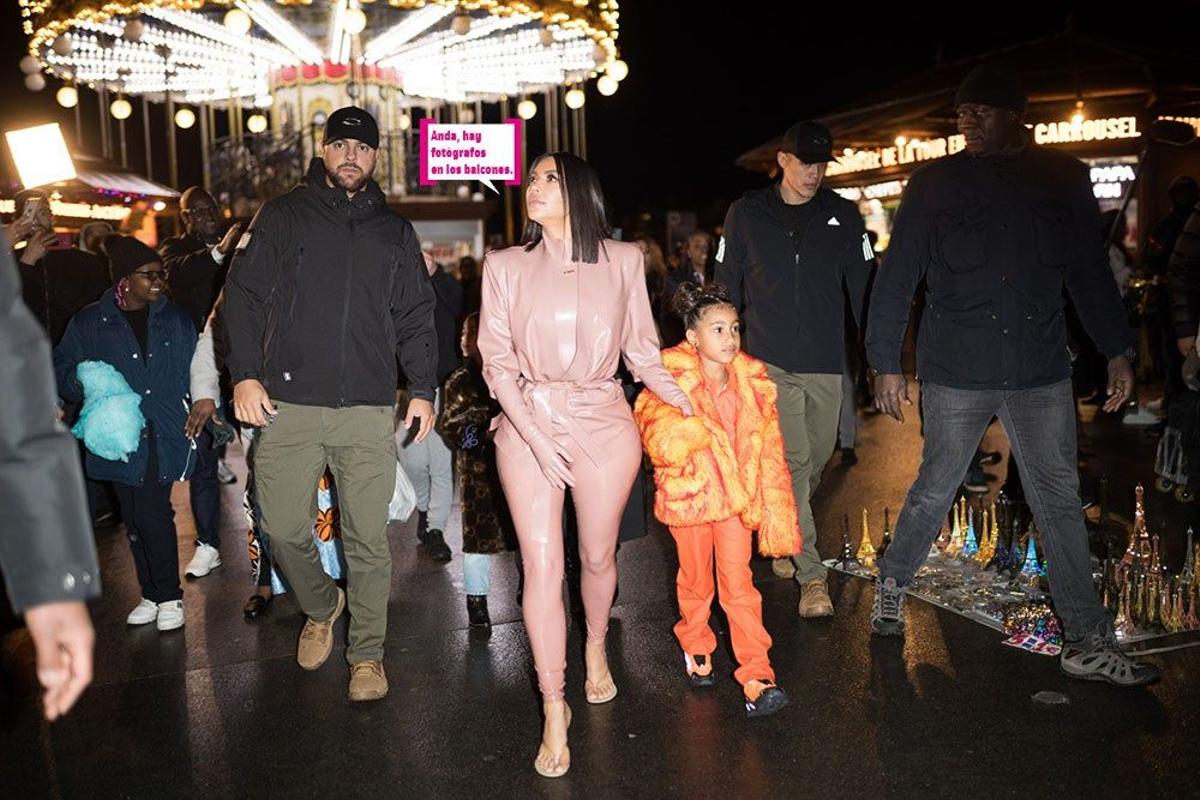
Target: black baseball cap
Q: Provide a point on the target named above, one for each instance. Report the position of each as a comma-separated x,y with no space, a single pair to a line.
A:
808,141
352,122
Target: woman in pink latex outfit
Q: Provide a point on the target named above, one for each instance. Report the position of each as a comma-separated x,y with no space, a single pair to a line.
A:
557,313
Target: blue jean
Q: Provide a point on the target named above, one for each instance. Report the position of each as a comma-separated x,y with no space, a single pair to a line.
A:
477,568
206,492
1040,424
430,467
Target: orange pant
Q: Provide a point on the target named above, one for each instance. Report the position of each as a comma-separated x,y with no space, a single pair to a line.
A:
730,541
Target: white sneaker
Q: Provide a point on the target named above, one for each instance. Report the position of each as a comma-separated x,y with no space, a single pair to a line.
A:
206,559
170,615
224,473
1141,416
145,613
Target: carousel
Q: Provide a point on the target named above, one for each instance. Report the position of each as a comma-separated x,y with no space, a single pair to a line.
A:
260,76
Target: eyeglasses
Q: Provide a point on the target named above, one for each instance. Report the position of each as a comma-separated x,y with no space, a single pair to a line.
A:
154,275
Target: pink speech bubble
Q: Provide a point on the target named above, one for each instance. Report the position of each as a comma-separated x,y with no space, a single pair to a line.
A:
480,152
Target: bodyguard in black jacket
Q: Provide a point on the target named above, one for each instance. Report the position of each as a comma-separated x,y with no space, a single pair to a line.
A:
328,290
999,231
325,293
789,256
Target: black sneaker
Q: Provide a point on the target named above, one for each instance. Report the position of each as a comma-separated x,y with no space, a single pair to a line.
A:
699,670
477,611
1097,657
976,482
439,551
887,615
769,699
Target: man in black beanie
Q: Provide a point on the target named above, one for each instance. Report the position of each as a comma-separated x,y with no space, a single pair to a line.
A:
998,231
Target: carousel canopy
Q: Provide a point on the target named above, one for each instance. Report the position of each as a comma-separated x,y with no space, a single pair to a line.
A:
209,50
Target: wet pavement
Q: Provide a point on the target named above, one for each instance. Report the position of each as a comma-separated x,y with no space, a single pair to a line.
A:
220,709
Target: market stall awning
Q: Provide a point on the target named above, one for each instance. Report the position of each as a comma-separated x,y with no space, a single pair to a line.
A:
1057,71
124,183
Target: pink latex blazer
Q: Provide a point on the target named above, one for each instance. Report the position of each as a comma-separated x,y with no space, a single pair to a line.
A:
554,329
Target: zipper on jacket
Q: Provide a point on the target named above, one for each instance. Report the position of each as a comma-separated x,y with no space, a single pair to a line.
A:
346,314
183,475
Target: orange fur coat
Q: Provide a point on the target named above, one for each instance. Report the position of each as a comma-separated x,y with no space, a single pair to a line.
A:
702,476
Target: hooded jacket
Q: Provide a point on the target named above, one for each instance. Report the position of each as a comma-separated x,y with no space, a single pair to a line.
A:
704,477
325,293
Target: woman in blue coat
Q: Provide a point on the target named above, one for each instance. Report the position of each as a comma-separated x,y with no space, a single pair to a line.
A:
148,340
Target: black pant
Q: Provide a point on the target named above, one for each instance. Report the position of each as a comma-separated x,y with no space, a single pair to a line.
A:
206,492
150,525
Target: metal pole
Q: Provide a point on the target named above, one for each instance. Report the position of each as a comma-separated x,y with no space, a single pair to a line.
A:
146,136
78,118
102,98
124,154
583,132
205,144
172,151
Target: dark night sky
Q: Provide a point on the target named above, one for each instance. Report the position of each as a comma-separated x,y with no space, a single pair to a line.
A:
706,86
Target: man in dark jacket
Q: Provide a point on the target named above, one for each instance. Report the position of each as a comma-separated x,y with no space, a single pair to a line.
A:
789,256
47,555
998,231
196,263
328,289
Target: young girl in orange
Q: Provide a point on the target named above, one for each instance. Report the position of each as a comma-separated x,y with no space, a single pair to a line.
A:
721,475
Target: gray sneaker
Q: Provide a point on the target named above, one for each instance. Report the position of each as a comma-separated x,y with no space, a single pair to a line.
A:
887,615
1097,657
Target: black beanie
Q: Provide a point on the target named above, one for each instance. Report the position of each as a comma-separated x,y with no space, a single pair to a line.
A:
992,85
125,254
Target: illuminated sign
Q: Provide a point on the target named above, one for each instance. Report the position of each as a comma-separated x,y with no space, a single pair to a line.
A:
1086,130
75,210
909,153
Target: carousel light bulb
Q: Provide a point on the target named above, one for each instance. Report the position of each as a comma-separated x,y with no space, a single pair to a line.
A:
35,82
461,24
355,21
30,65
901,141
237,22
134,30
575,99
607,85
256,123
599,54
546,37
618,70
185,118
405,122
120,108
67,97
526,109
63,44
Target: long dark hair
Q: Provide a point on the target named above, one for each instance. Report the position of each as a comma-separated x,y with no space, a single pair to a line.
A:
584,202
691,300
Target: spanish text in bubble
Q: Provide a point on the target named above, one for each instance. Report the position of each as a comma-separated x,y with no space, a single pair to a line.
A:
485,152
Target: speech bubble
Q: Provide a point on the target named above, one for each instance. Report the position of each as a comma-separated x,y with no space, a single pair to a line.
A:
483,152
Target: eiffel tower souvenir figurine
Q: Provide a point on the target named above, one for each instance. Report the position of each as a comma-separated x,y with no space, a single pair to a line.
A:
866,550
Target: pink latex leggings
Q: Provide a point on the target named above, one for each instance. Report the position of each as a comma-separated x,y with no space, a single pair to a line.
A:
600,495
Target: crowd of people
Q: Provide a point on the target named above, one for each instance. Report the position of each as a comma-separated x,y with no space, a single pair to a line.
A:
343,355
